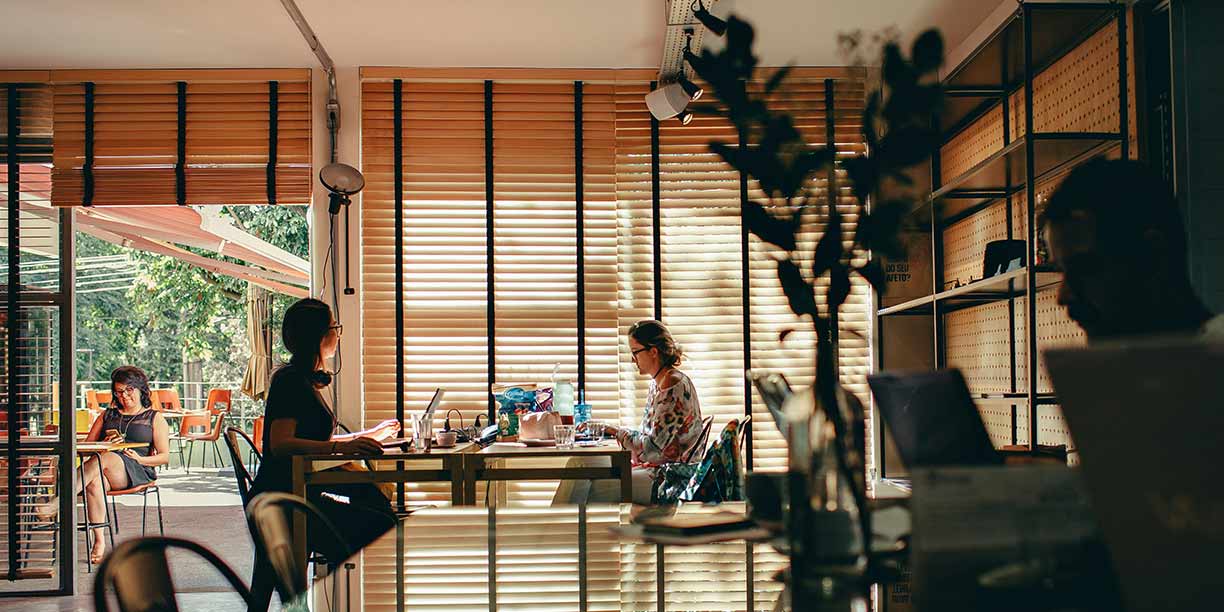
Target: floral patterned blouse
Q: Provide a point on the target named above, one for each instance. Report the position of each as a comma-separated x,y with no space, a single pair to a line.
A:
671,425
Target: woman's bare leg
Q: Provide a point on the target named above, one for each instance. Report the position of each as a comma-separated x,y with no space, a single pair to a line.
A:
116,478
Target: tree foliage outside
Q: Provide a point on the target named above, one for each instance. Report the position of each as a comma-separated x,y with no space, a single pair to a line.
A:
174,313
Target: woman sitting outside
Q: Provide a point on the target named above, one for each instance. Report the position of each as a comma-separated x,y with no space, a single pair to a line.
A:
130,418
671,423
299,421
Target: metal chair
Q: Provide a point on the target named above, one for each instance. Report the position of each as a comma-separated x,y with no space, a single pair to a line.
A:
140,574
244,477
143,491
268,517
213,435
185,434
700,444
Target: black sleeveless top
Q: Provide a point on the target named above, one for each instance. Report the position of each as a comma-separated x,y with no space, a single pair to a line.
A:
134,428
291,395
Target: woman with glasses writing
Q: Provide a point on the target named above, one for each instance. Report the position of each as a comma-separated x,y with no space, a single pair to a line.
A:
130,418
671,424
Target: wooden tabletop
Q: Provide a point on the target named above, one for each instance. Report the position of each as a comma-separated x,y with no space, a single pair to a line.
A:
605,447
106,447
394,453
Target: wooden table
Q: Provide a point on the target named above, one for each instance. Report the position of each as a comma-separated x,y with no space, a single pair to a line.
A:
305,475
476,466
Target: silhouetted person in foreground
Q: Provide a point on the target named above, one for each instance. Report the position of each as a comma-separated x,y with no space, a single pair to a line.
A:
1115,233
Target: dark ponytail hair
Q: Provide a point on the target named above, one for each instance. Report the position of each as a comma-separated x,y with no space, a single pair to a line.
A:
131,376
305,325
653,334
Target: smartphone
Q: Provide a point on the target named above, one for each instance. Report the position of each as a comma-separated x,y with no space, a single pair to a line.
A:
111,433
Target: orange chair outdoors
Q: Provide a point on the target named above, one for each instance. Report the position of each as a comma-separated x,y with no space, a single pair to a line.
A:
166,400
104,397
213,435
195,421
257,431
219,401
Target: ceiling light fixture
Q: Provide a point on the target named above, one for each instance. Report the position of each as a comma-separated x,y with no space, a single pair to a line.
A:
715,25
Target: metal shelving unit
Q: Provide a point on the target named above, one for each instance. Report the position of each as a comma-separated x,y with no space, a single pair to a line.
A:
1034,38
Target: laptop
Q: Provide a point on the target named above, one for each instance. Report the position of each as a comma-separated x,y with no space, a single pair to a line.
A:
1147,418
429,412
933,419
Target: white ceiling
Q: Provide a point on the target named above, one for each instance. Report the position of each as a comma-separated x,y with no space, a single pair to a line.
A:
479,33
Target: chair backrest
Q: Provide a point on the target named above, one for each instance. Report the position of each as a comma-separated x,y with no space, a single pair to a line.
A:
700,445
241,473
140,573
91,401
199,419
218,426
105,397
744,426
167,399
268,516
257,427
218,400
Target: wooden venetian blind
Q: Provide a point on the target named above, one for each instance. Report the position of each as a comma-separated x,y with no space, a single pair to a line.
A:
769,312
528,276
182,137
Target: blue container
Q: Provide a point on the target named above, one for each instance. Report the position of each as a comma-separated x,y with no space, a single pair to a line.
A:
582,410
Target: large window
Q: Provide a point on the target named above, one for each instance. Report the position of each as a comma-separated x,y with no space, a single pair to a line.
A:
539,217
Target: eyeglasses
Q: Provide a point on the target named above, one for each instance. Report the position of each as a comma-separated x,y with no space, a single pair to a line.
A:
634,354
126,390
339,329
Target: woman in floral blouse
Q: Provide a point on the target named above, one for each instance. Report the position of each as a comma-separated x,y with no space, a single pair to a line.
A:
671,424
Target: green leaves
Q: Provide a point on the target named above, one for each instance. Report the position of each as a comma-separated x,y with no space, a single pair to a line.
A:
775,231
799,293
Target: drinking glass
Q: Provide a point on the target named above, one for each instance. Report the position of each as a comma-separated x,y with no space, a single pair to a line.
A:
422,432
564,435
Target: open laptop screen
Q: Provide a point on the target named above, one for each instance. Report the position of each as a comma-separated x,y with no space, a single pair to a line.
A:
933,419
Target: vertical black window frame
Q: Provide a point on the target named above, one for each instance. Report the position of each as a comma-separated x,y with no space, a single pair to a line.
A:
579,238
745,288
832,190
13,323
490,313
656,212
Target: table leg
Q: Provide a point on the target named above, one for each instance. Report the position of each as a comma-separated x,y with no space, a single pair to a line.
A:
455,465
621,461
106,509
299,520
470,466
85,511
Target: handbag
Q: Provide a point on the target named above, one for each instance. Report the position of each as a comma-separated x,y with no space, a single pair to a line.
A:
716,478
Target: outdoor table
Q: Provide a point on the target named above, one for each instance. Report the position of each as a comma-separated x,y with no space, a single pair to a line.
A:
391,466
488,465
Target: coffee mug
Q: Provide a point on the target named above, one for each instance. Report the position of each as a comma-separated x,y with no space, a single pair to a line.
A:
446,438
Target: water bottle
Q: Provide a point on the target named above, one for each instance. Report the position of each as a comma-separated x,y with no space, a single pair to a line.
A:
563,397
582,411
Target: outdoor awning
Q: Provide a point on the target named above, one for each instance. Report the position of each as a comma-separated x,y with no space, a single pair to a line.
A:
166,229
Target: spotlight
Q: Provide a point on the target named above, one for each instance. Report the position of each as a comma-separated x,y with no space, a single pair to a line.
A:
667,101
693,90
685,117
715,25
342,180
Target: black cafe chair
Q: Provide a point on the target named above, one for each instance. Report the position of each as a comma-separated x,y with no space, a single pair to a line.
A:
269,518
139,573
242,473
